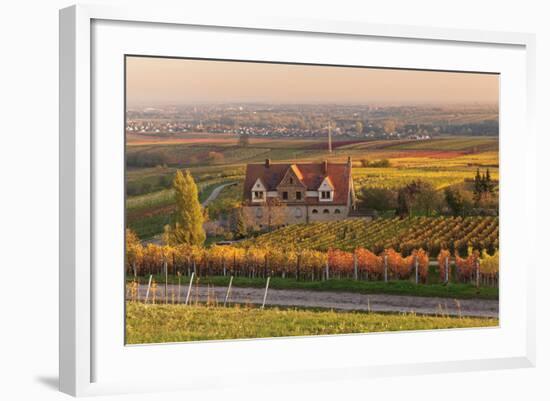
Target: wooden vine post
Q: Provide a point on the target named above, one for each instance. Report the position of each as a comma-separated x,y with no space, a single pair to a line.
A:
165,281
148,288
355,273
228,291
385,267
179,286
477,272
189,289
298,260
265,293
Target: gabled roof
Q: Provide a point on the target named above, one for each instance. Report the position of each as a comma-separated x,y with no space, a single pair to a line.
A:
328,181
312,175
259,180
296,171
293,170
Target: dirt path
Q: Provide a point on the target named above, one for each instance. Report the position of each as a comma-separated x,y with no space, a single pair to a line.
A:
214,194
334,300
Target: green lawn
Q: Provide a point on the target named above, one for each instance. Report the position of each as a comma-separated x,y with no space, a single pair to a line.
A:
401,287
176,323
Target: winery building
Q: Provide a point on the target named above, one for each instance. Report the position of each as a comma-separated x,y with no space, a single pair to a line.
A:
277,194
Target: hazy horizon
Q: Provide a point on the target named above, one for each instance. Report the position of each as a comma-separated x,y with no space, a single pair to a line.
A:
157,82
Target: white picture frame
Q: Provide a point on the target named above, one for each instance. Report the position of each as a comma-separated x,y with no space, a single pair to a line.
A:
88,366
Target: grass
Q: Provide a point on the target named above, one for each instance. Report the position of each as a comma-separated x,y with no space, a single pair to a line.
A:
152,199
396,287
147,227
177,323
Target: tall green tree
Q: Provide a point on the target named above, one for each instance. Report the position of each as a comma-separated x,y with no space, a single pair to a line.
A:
418,197
478,187
377,199
459,201
241,230
188,219
488,182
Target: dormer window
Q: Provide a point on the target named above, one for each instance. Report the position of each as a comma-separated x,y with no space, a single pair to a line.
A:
258,191
326,190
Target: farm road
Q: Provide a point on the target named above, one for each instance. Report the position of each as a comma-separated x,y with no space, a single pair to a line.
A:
214,194
344,301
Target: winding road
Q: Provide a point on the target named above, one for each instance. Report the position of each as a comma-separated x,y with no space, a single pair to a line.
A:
216,192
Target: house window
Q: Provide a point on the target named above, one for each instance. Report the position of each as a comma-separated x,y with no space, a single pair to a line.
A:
285,195
259,212
298,196
325,194
297,213
314,211
258,194
336,211
291,181
325,211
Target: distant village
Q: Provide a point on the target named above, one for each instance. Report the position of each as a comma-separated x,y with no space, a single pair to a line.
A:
299,121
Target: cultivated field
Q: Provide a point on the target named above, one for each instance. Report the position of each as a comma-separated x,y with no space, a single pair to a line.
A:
218,159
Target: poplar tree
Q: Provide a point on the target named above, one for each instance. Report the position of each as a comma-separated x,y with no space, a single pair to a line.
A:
488,182
240,226
188,219
478,186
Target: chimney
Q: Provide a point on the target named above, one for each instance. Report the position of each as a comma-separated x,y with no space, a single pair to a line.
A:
349,161
325,167
267,163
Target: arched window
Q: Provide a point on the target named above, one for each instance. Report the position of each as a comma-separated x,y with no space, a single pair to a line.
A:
325,211
297,213
336,211
314,211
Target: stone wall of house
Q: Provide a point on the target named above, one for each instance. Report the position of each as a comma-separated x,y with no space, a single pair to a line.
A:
291,191
327,213
258,216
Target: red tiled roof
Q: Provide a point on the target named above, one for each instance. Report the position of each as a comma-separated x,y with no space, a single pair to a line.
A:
312,175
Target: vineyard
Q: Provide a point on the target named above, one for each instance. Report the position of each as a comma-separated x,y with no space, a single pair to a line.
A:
390,177
308,264
404,235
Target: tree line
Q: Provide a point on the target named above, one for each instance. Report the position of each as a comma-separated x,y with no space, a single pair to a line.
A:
421,198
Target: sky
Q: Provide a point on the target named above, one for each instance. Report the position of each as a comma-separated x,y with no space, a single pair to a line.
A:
157,81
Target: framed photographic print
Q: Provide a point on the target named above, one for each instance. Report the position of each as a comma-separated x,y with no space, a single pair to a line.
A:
307,193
